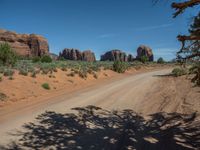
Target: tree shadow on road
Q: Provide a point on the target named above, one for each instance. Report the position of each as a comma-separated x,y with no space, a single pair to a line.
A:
93,128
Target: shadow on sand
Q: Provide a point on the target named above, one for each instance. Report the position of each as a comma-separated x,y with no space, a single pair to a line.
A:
93,128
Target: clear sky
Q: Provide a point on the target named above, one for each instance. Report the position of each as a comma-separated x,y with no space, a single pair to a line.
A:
99,25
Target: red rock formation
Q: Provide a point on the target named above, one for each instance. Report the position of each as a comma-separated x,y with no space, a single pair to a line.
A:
75,54
25,44
88,56
114,55
144,51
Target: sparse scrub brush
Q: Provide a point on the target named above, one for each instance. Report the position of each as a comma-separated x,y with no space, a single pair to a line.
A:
7,56
120,67
179,72
46,86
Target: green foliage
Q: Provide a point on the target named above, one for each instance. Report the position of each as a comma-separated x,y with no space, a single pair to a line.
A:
46,86
179,72
160,60
120,67
2,96
8,72
144,59
35,59
195,69
46,59
23,71
7,55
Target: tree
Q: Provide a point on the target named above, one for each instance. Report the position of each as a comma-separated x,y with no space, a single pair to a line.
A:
7,55
160,60
190,49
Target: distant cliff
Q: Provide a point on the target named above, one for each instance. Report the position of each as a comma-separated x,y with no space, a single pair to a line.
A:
114,55
25,44
75,54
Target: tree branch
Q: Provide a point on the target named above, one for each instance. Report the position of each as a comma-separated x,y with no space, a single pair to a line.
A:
180,7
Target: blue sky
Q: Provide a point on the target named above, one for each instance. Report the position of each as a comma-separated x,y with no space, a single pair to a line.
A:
99,25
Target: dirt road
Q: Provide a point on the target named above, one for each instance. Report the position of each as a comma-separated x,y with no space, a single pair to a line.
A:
133,92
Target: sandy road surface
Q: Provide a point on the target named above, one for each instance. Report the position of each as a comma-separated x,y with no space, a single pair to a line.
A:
126,93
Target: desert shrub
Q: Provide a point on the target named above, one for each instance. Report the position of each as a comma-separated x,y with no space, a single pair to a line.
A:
179,72
10,78
8,72
120,67
160,60
95,76
46,59
23,71
33,74
7,55
82,74
71,74
144,59
2,96
195,69
46,86
35,59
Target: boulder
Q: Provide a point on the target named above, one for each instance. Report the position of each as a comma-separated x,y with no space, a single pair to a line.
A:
88,55
25,44
114,55
75,54
145,51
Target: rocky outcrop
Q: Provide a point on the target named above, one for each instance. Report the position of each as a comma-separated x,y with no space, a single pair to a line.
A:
25,44
75,54
130,58
114,55
88,56
145,51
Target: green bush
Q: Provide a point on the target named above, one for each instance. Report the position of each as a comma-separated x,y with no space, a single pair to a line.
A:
195,69
120,67
144,59
23,72
8,72
178,72
2,96
46,59
7,55
46,86
35,59
160,60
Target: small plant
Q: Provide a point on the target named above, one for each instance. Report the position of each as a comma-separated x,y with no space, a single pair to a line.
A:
195,69
72,74
120,67
33,74
2,96
95,76
160,60
46,86
10,78
82,74
46,59
144,59
8,72
23,72
35,59
7,55
178,72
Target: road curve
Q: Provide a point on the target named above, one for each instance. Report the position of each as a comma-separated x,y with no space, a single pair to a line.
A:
125,93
